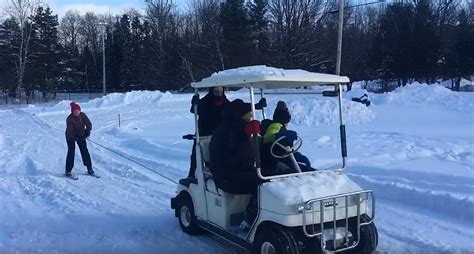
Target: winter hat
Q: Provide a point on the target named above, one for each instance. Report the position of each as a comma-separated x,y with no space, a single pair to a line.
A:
75,106
240,108
211,91
281,113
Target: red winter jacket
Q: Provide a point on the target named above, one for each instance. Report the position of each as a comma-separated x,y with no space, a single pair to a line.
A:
76,126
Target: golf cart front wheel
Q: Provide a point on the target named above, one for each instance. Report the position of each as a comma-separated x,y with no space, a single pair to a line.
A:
275,241
186,217
368,237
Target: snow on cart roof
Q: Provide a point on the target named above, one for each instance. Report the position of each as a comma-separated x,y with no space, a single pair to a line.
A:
261,76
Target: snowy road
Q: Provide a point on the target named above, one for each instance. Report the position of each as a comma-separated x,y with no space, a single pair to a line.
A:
416,154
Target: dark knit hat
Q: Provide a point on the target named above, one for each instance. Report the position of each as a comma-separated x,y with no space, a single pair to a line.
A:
281,113
240,108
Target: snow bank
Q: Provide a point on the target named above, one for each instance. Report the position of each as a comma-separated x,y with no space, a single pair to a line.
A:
134,98
126,99
423,94
317,112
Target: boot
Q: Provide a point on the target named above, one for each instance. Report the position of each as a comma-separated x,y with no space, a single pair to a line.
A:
90,171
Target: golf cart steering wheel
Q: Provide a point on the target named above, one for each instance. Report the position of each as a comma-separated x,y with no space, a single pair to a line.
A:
289,150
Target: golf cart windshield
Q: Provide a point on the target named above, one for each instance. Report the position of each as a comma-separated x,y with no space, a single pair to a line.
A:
263,77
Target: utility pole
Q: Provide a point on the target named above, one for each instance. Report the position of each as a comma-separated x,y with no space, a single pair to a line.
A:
104,26
341,27
339,37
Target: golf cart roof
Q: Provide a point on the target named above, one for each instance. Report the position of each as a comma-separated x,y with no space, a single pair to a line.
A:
265,77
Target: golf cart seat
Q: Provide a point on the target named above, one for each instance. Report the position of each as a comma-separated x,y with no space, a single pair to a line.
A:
206,157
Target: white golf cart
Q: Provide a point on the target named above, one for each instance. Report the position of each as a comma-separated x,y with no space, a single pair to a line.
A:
302,212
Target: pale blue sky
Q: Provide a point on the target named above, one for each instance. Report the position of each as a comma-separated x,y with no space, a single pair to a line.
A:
83,6
97,6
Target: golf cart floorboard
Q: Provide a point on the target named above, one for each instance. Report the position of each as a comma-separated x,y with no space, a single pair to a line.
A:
224,235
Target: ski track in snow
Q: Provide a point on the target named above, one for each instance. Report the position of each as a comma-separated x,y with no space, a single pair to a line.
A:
422,179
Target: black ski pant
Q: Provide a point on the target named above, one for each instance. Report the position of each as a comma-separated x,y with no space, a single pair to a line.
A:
71,148
192,167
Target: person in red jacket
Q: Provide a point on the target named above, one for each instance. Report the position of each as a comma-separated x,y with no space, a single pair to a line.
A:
78,128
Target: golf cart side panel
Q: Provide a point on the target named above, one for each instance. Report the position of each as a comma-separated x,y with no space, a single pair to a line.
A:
198,200
222,206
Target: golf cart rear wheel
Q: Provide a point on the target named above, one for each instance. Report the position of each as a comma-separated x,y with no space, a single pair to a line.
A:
275,240
186,217
368,237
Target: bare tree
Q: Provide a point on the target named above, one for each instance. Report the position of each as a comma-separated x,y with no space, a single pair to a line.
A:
294,24
89,31
208,30
69,29
159,12
21,11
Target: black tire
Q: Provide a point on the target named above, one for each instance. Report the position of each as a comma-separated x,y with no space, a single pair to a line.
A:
278,239
369,237
186,217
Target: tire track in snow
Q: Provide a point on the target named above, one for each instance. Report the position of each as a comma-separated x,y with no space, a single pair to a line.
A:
423,234
437,201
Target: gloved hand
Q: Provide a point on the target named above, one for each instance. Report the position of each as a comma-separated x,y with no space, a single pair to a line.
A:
87,133
252,127
195,99
262,103
290,137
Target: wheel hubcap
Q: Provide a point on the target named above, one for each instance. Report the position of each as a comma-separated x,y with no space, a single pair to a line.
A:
185,216
267,248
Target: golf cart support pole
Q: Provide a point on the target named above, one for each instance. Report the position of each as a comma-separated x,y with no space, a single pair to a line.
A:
255,137
196,122
263,108
342,130
199,177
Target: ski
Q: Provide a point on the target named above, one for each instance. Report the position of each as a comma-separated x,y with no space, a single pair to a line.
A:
73,177
94,175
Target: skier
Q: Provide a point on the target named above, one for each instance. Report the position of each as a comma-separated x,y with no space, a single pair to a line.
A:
279,128
210,109
78,128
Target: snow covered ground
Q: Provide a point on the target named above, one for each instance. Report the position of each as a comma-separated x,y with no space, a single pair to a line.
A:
414,147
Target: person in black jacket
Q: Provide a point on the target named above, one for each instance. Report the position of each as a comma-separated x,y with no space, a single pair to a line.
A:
232,151
210,109
210,115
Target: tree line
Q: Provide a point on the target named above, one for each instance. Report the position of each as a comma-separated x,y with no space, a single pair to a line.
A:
166,48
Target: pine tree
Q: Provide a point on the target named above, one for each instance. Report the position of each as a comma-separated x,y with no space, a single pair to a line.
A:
45,70
425,42
114,58
236,33
9,39
464,49
259,30
393,42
